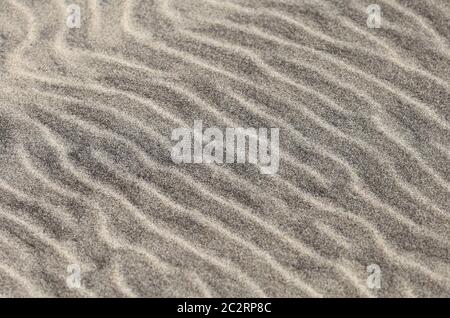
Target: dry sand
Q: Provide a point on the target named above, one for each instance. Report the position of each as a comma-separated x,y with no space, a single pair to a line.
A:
86,177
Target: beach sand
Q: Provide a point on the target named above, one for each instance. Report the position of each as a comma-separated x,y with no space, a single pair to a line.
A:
87,180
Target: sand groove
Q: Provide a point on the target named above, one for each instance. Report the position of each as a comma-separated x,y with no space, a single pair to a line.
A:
86,176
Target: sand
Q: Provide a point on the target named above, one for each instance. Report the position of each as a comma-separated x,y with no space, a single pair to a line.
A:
360,205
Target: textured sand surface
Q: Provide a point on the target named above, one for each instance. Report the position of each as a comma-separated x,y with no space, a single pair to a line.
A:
86,177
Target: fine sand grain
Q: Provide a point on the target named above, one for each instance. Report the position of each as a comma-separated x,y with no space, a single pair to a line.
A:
86,176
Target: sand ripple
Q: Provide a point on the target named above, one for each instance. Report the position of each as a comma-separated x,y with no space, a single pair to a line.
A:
86,176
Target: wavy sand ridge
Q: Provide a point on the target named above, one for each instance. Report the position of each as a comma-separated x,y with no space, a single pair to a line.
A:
86,177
